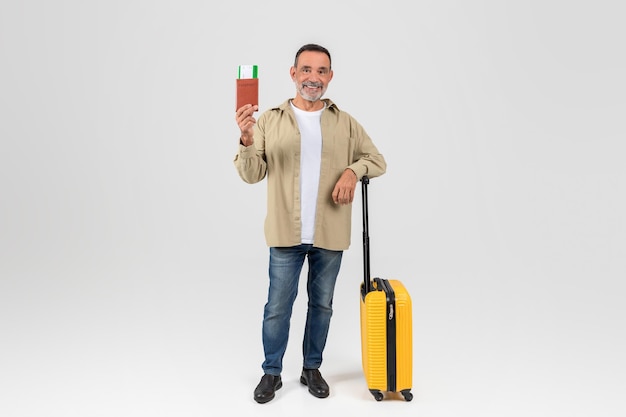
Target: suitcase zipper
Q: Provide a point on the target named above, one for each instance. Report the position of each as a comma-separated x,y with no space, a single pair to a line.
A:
384,285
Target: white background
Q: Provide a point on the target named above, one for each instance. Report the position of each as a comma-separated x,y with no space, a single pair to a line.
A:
132,259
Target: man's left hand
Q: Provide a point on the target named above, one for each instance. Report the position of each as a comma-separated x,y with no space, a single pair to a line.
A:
344,189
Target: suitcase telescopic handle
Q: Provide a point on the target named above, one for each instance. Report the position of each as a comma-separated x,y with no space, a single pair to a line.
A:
366,238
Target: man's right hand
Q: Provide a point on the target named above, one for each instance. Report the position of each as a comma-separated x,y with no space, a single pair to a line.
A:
246,122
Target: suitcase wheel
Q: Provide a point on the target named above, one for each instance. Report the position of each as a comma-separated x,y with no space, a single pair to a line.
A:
378,395
407,394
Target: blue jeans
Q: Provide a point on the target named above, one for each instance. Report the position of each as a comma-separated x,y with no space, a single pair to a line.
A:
285,266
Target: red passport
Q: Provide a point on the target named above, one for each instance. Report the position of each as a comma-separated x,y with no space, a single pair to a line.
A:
247,91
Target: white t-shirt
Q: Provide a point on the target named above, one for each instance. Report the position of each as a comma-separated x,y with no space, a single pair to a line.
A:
310,163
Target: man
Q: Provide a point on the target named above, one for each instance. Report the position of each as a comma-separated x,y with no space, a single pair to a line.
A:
313,154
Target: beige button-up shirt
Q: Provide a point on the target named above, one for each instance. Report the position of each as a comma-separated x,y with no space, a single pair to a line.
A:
275,154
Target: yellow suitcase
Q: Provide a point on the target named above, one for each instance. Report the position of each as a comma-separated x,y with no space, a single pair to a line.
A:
386,328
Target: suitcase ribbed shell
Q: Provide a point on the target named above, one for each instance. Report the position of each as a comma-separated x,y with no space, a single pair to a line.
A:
374,347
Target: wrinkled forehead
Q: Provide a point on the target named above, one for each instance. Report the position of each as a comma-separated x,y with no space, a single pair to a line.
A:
313,60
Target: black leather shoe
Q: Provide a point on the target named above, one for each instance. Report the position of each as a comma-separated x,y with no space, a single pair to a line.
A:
313,379
269,384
